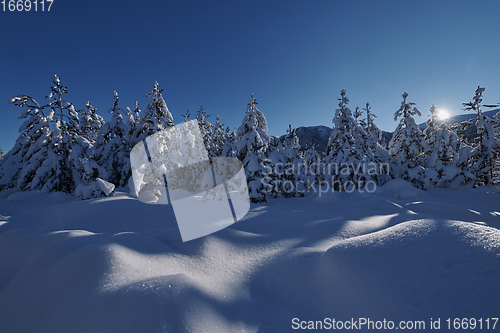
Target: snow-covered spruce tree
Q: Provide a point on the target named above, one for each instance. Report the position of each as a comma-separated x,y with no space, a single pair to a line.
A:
112,148
90,122
482,159
205,129
250,144
2,154
274,168
294,176
314,167
407,147
229,149
255,164
381,156
442,169
348,154
253,130
218,137
155,117
57,172
20,164
431,130
131,121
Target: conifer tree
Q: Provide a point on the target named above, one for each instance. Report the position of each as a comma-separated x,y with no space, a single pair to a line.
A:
431,130
205,129
347,150
254,164
294,176
274,171
407,146
90,122
253,130
155,117
20,164
482,159
314,167
218,137
113,150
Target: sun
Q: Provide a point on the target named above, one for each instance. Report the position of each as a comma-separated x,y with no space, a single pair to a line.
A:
443,114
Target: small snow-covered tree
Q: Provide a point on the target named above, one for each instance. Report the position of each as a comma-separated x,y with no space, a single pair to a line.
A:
155,117
407,146
112,149
314,167
481,159
2,153
254,164
229,149
374,134
274,168
431,130
294,176
90,122
218,137
205,129
253,130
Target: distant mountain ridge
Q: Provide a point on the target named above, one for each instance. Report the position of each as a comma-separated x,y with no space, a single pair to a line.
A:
319,135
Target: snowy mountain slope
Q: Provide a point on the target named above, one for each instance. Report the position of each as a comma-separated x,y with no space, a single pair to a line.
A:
320,135
312,135
461,117
118,265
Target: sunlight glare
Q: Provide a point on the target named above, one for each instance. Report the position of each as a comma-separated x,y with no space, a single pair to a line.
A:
443,114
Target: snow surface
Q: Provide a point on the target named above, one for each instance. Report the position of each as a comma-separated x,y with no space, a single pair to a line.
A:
118,265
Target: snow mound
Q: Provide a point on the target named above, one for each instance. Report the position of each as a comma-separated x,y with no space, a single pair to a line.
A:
400,189
325,198
96,189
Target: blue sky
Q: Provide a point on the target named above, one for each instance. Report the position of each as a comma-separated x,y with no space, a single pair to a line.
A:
295,56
